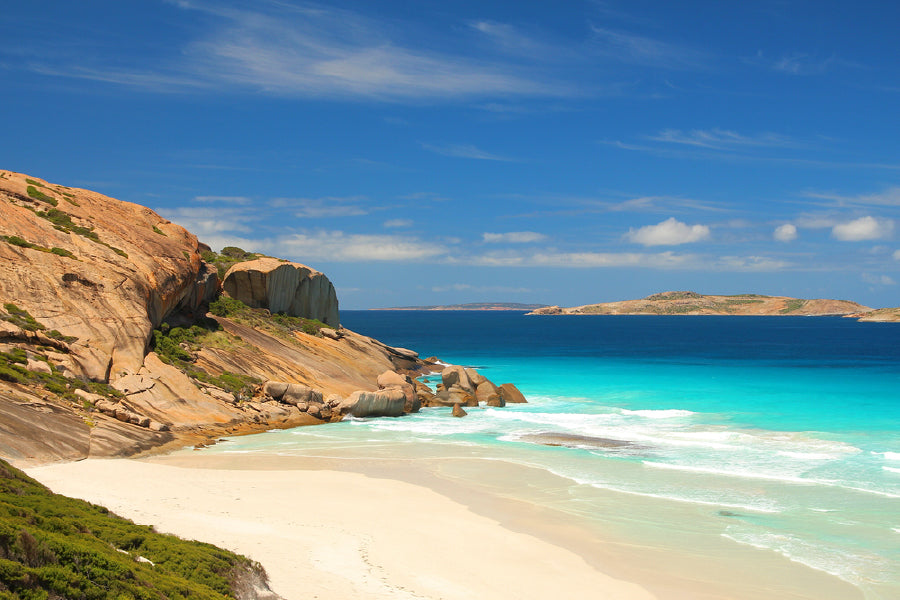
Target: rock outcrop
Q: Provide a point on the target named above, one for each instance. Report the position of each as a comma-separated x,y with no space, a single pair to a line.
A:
284,287
462,386
692,303
84,281
107,348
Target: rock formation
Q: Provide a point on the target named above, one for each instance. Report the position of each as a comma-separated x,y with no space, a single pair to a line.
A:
86,279
107,349
284,287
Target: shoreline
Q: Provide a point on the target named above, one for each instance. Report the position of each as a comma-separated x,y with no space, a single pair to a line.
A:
340,521
337,534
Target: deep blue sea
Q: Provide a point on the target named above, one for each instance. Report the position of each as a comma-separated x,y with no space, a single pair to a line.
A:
777,436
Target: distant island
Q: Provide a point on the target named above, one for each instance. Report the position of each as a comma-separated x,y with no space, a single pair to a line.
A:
692,303
472,306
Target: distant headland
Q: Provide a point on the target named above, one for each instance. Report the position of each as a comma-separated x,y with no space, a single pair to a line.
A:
692,303
473,306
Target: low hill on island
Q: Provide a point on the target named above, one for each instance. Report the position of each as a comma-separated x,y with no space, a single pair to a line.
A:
692,303
472,306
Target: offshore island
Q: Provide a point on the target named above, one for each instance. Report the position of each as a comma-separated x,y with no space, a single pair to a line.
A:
692,303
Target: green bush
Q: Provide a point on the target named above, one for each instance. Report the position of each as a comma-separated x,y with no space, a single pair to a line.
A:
52,546
21,318
23,243
61,252
226,306
37,194
158,230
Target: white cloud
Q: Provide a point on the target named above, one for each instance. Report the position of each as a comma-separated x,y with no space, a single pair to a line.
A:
514,237
398,223
878,279
641,50
465,151
327,207
786,233
204,222
465,287
750,263
325,51
668,233
863,229
581,260
889,197
224,199
721,139
337,246
896,254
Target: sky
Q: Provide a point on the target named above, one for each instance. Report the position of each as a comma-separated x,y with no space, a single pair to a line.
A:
434,152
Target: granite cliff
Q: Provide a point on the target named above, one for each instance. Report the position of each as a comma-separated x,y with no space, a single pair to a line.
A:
692,303
107,349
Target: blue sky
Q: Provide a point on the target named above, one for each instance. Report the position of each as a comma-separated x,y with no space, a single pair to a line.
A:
438,152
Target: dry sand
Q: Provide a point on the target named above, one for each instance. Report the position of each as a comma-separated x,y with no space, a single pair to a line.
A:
339,535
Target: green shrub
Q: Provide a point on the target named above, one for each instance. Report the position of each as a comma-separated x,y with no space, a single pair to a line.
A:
61,252
226,306
158,230
37,194
17,241
52,546
21,318
23,243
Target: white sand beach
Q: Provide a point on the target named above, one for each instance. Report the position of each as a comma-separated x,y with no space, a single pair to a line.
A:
336,535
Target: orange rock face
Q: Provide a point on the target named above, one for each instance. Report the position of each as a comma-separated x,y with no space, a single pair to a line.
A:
94,268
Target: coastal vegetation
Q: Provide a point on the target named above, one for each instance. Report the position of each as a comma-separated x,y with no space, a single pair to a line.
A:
23,243
52,546
62,221
13,369
228,257
178,346
37,194
279,324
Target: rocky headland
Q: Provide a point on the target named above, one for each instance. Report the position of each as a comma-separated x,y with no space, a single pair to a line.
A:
121,333
692,303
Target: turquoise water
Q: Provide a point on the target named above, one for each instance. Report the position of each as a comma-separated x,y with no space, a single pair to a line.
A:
777,434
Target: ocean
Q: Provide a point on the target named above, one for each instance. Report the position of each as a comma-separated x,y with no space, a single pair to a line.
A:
761,451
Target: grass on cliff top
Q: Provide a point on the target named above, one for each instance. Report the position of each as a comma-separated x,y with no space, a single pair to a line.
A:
278,324
176,346
229,256
52,546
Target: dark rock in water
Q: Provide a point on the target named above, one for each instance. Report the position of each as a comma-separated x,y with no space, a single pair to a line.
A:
458,411
728,513
572,440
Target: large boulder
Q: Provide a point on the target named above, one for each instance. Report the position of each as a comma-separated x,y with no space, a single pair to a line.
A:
393,380
284,287
384,403
456,375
